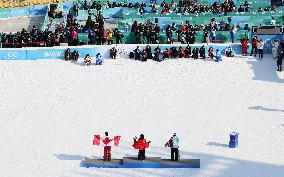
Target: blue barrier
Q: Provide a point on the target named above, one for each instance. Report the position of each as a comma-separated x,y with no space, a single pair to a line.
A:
124,50
58,53
23,11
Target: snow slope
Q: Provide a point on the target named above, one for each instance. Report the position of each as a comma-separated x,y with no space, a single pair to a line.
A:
50,109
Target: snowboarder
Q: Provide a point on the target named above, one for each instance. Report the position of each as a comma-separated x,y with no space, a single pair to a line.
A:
211,52
173,144
107,147
99,60
218,55
229,52
88,60
106,141
141,144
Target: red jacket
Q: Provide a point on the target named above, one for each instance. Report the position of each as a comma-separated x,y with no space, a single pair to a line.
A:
169,143
140,144
106,141
245,43
254,42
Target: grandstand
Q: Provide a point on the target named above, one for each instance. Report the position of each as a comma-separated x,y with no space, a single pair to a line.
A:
71,70
29,13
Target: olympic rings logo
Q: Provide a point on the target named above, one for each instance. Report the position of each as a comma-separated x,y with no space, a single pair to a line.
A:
11,55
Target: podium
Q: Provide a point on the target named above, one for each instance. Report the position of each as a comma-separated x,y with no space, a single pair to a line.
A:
133,162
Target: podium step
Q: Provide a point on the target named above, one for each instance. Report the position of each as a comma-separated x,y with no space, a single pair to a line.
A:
181,163
100,163
133,162
149,162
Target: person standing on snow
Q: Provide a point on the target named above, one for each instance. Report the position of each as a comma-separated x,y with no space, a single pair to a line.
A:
245,44
254,46
99,60
107,147
218,55
260,46
275,45
173,144
88,60
202,52
279,61
141,144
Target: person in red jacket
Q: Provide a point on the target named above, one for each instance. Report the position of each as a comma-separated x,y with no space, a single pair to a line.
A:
141,144
254,46
211,52
88,60
245,44
107,147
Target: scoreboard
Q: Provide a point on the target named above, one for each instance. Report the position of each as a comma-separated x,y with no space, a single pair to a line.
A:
277,2
267,30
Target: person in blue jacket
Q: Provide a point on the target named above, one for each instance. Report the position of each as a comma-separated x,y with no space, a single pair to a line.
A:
99,60
218,55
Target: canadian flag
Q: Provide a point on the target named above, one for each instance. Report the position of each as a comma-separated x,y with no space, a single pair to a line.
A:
116,140
96,140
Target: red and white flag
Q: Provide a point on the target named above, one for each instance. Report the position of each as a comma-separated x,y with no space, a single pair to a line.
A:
116,140
96,140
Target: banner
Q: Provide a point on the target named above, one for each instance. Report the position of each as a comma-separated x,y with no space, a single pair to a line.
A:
13,54
37,53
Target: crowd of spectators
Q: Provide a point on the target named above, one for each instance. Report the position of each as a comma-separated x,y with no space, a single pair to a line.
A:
193,7
179,7
174,53
149,32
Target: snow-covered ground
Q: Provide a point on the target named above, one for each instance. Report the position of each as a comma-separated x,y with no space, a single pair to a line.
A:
50,110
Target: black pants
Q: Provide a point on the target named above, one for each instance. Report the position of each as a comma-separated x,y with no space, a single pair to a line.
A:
174,154
253,51
279,68
141,155
109,42
260,53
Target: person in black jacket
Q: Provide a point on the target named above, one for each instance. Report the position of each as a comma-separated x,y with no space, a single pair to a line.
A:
157,53
67,55
149,52
279,61
75,55
195,53
144,55
137,53
202,52
174,52
113,53
187,51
